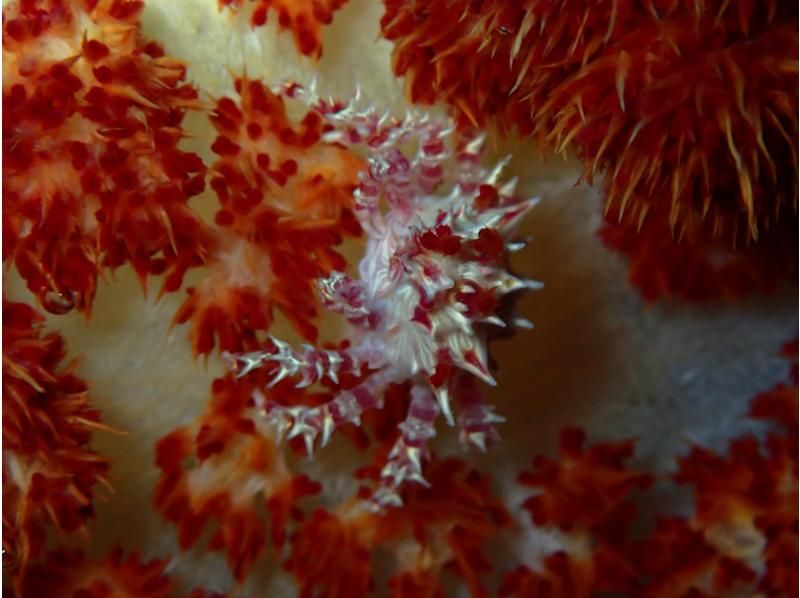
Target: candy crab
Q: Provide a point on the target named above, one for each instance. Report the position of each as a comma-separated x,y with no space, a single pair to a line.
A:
432,282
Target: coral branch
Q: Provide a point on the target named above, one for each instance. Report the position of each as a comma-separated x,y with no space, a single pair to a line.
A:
285,200
50,473
236,463
92,171
304,18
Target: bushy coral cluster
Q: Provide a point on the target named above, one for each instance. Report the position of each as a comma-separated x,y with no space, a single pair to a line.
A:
50,472
444,526
688,109
218,469
280,187
304,18
586,497
740,535
93,177
740,539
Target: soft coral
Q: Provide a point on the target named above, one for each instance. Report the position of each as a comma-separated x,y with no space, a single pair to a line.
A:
50,471
93,176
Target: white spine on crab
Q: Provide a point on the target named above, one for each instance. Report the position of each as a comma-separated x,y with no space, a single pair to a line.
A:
310,363
405,459
343,295
429,280
311,423
476,419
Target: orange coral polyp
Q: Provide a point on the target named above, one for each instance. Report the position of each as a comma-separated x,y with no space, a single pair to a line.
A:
216,469
262,154
690,108
49,470
280,186
304,18
93,175
444,526
747,502
588,490
330,557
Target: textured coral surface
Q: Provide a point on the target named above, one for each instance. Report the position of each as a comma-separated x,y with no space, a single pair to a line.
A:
688,109
647,448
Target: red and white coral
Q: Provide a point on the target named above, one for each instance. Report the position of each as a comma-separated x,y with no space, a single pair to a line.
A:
692,106
444,526
92,174
688,108
431,282
218,468
304,18
70,573
586,495
285,201
747,501
50,472
740,540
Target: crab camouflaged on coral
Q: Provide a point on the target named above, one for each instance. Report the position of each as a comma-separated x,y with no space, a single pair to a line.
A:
210,498
431,284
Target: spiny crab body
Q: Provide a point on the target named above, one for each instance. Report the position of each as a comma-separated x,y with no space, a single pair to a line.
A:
430,287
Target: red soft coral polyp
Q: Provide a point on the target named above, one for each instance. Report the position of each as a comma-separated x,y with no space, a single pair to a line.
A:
280,187
304,18
587,496
93,177
331,555
688,107
71,573
695,266
50,472
688,110
588,489
216,470
443,527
